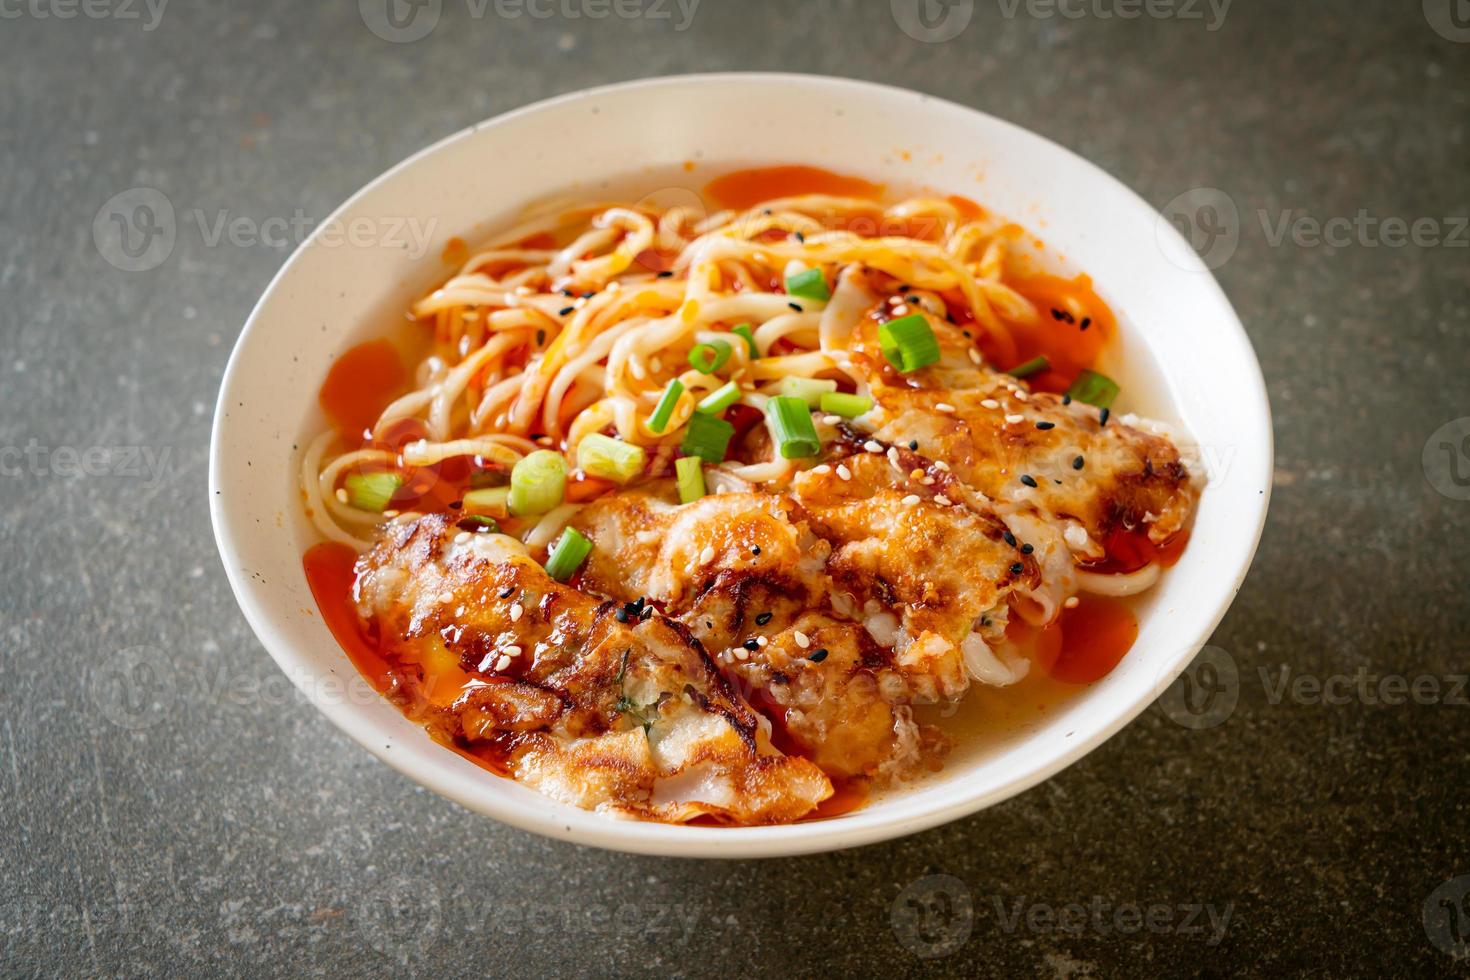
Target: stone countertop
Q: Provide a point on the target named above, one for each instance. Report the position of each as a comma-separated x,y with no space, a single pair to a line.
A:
237,832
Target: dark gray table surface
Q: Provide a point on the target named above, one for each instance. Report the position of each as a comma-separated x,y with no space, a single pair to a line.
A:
232,830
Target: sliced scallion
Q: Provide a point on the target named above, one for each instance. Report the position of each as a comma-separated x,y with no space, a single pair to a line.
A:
570,551
809,390
664,410
538,483
745,333
707,437
1094,389
718,400
372,491
809,284
689,471
709,358
1033,366
791,424
609,458
848,406
494,501
908,343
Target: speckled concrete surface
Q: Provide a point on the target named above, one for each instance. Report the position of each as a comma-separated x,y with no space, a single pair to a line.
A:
228,828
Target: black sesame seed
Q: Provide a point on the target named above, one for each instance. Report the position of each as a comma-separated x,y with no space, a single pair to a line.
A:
456,504
567,292
1026,549
913,445
1057,314
1102,417
621,615
1066,399
667,273
1017,568
817,655
755,549
1078,463
1086,322
588,295
507,592
1010,538
800,237
1043,426
565,310
1028,479
751,645
796,307
763,619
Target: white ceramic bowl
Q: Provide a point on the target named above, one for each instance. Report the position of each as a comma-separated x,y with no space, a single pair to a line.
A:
329,296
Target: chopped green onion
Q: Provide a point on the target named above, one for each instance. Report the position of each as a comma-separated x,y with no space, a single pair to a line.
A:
791,424
809,390
538,483
609,458
1094,389
908,343
1033,366
475,523
494,501
568,555
690,473
372,491
744,332
707,437
809,284
848,406
709,358
664,411
718,400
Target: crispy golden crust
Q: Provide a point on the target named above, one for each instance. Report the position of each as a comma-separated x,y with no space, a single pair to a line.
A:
594,708
993,433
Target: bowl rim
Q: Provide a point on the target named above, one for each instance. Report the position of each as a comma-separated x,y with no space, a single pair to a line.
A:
642,837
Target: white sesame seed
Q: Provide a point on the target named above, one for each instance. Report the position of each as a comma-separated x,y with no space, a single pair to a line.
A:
1072,602
512,651
516,610
524,290
901,310
487,663
1021,396
707,555
761,641
801,639
831,419
390,514
974,356
657,364
502,663
942,500
928,481
824,469
461,537
1015,419
342,494
741,653
873,446
990,403
894,458
944,407
612,287
911,499
579,302
446,597
844,472
940,464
